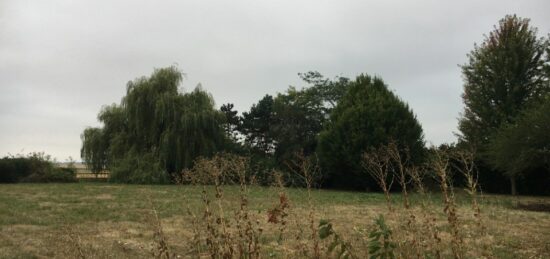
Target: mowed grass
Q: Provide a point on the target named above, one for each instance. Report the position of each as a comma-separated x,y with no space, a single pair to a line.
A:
104,220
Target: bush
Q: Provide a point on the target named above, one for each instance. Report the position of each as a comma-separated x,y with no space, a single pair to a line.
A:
13,169
64,175
34,167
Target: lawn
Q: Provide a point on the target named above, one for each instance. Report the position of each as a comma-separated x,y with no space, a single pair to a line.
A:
105,220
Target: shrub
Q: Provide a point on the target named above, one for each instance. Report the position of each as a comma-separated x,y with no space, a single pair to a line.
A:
381,244
34,167
12,169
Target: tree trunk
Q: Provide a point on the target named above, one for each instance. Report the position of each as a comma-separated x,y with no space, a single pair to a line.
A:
513,185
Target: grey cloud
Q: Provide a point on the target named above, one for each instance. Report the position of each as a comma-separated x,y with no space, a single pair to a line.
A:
60,61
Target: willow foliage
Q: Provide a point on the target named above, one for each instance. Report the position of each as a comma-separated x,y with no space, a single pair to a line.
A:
93,149
155,131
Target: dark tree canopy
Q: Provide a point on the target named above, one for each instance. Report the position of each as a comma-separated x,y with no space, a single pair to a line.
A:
155,131
94,150
278,127
502,76
232,121
329,92
291,120
298,119
525,144
367,116
256,126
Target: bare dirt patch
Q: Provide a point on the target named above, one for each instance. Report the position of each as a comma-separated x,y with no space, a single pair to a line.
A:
534,206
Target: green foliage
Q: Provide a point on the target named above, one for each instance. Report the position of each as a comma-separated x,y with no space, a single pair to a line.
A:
154,123
94,149
262,167
298,119
13,169
342,247
300,115
328,91
278,127
35,167
140,169
52,175
368,116
525,144
503,76
231,123
256,126
380,241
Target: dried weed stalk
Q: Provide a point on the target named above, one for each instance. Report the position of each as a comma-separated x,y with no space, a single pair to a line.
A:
400,161
279,213
223,239
249,245
467,167
308,170
440,165
161,249
377,164
429,237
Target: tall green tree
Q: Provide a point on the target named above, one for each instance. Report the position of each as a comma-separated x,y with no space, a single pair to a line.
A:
368,116
232,121
278,127
155,131
298,118
503,75
291,121
256,126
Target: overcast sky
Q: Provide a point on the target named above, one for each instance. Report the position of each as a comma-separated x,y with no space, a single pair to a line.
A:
60,61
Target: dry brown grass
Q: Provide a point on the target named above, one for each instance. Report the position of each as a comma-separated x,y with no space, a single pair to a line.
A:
121,221
511,233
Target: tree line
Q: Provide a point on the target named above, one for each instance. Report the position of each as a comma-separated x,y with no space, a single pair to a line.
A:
157,131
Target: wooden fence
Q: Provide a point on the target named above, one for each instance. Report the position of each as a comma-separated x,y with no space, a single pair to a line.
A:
85,174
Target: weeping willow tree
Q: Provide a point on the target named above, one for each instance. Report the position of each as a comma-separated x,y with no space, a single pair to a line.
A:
155,130
93,149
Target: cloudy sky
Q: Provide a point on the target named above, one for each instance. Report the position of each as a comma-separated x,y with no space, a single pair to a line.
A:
60,61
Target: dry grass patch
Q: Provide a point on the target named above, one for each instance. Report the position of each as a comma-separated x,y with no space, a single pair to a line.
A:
118,225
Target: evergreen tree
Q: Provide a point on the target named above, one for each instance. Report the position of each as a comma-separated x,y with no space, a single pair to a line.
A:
368,115
232,121
277,128
256,126
298,118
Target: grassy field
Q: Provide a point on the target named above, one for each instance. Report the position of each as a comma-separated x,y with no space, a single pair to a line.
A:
103,220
